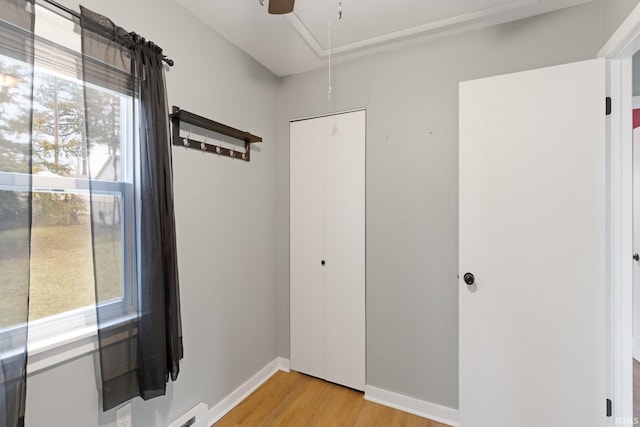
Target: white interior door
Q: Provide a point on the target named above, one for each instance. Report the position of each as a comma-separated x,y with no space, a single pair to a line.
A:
533,232
307,246
327,247
345,237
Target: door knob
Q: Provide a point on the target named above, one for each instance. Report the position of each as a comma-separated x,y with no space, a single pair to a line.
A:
322,262
469,279
636,257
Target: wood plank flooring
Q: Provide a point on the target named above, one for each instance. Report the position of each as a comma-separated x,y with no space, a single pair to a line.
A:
297,400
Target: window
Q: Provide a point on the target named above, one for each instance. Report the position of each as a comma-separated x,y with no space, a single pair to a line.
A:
62,294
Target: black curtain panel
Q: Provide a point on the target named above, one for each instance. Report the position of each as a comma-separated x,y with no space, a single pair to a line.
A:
139,332
16,111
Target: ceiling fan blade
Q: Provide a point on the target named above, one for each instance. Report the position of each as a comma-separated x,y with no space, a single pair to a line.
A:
278,7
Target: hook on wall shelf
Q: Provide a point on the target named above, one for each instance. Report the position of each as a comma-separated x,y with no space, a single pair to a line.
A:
182,116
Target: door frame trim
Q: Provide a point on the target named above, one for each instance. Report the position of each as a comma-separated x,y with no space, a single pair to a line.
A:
355,110
618,51
625,41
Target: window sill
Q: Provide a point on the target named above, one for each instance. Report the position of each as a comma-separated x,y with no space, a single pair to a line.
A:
50,352
59,339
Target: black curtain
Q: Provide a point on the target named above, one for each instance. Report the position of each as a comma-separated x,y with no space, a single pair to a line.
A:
140,349
16,112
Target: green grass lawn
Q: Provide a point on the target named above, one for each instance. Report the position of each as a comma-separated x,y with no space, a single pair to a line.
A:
62,276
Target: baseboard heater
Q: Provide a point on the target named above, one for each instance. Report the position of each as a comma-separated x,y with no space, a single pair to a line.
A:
191,417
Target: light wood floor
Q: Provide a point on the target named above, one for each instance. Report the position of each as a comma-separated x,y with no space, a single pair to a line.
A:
297,400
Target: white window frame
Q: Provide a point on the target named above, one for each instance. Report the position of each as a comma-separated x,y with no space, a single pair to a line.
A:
61,337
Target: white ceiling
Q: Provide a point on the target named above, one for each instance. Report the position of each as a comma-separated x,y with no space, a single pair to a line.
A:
299,41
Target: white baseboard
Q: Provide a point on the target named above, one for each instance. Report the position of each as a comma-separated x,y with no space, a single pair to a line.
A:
423,409
283,364
239,394
428,410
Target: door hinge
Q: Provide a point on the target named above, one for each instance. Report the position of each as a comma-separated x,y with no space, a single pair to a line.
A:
608,105
609,407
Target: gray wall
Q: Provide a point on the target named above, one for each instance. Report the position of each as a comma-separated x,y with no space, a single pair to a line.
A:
411,97
614,12
228,273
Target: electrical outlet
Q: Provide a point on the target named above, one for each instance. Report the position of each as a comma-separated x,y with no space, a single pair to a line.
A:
123,416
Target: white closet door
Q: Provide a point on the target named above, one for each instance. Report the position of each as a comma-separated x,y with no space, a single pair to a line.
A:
307,243
327,207
345,218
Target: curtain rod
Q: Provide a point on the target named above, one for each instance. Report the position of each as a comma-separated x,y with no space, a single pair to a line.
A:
77,15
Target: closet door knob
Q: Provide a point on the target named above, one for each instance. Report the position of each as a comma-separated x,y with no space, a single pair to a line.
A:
322,262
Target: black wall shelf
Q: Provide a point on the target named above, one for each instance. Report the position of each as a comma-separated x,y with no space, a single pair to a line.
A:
182,116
